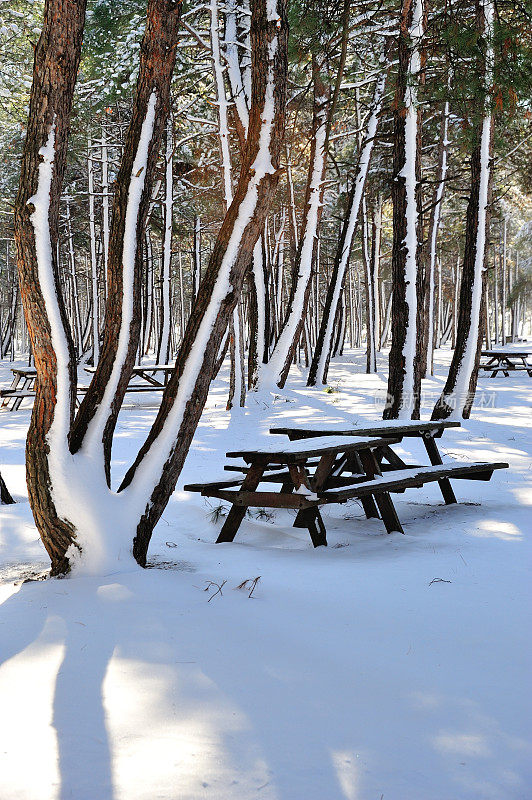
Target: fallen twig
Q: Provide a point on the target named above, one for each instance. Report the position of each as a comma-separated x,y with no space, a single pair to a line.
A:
249,584
219,587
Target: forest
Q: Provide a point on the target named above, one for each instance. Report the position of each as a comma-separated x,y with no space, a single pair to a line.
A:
225,220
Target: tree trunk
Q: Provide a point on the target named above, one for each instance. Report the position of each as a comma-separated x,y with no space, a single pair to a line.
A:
152,478
459,391
404,379
322,353
57,491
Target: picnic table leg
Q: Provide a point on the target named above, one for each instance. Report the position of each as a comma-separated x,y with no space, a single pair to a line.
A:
435,458
368,503
237,513
18,400
383,499
311,518
527,366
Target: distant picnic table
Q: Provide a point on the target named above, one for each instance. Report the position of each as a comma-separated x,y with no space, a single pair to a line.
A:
505,361
23,384
146,374
321,466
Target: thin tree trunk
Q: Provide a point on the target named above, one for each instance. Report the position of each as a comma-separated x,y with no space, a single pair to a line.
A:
163,350
320,361
427,367
459,391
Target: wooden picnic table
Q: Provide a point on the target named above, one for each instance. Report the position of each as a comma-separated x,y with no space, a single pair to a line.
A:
330,469
299,488
388,459
505,361
22,386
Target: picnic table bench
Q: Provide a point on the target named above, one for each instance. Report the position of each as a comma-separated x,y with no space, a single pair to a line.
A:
505,361
330,469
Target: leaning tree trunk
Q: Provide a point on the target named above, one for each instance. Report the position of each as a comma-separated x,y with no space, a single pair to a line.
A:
404,380
55,68
458,394
62,490
150,482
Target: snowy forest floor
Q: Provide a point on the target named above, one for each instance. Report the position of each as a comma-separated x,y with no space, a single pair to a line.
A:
384,667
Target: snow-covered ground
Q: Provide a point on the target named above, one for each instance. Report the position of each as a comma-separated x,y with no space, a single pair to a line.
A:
384,667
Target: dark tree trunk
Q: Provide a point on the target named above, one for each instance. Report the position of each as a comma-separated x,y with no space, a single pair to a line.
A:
459,391
399,404
448,403
269,52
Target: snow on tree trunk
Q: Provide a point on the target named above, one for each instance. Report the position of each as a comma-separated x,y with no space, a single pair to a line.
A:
322,353
404,374
458,394
163,351
74,509
94,266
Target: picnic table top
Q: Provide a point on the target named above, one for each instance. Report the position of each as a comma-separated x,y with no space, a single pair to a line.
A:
28,371
300,451
383,428
506,353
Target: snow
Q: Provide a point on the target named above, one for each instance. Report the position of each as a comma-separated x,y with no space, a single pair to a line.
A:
60,426
353,671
